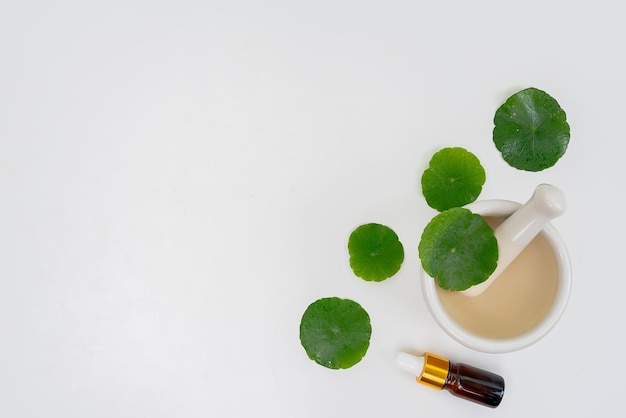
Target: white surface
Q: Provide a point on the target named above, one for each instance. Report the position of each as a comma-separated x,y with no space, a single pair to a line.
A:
519,229
179,179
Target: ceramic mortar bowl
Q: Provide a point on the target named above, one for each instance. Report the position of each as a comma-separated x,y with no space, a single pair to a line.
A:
504,208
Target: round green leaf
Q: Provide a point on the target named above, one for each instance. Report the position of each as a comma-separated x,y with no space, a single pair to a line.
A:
375,252
454,178
458,249
531,130
335,332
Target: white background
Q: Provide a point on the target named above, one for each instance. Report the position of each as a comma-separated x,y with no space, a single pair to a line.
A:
178,180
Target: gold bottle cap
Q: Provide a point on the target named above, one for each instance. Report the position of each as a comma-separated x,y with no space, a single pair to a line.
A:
435,371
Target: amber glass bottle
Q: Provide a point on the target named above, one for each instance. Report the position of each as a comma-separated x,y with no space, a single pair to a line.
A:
464,381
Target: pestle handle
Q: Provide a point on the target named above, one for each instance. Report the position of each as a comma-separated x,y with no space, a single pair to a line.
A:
516,232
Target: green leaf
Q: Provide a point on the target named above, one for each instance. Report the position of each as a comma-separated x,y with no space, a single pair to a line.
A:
531,130
454,178
335,333
458,249
375,252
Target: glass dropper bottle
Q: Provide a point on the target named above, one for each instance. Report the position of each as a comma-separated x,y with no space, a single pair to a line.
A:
460,379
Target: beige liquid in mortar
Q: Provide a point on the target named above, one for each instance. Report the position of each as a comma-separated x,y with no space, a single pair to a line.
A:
516,301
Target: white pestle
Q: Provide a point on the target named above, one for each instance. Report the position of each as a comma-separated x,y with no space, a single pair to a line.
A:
519,229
